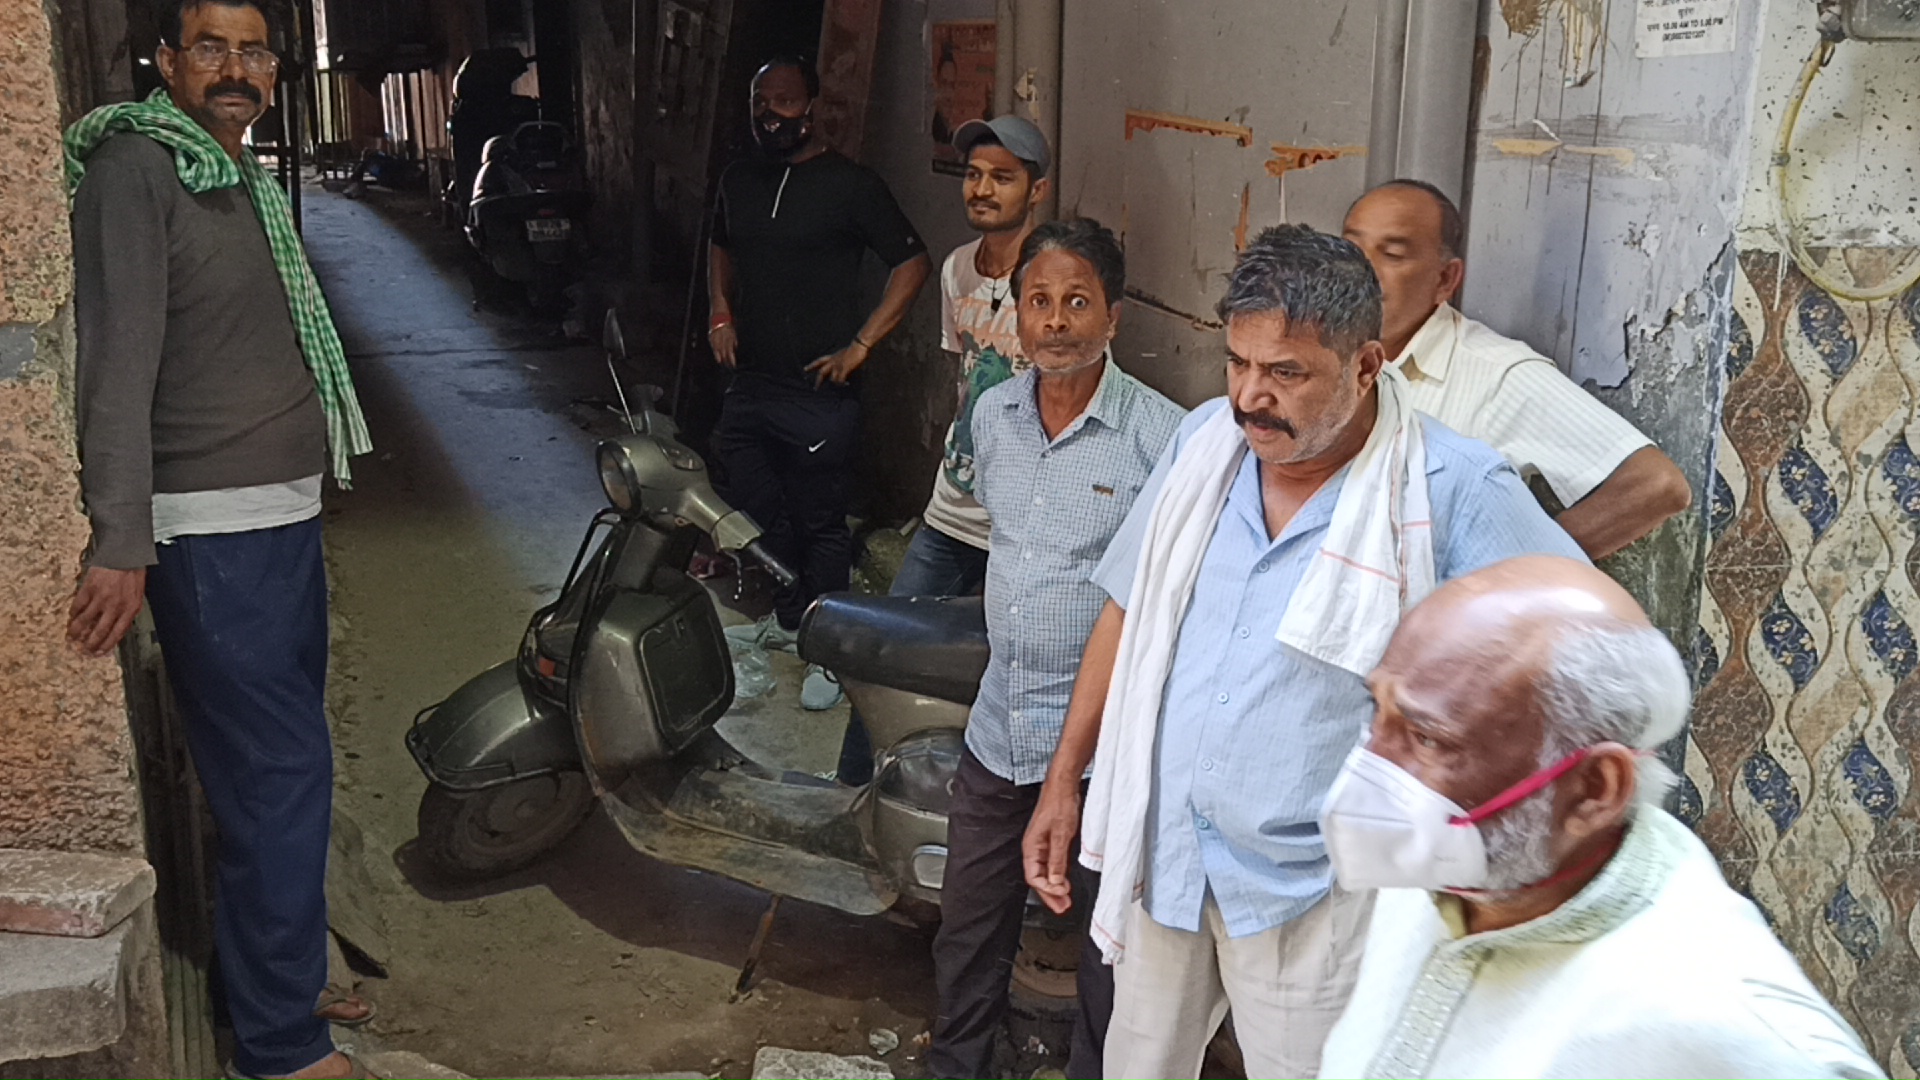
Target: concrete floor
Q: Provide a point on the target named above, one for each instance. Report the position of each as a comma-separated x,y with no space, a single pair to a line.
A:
598,960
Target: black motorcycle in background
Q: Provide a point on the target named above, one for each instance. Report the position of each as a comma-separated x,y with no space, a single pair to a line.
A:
484,107
527,214
521,193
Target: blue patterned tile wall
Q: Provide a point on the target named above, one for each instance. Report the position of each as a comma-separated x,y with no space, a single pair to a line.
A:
1807,727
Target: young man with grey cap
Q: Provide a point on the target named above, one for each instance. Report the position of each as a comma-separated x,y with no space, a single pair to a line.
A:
1006,180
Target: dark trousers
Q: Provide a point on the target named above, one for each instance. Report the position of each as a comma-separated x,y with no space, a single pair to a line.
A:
981,908
242,620
935,565
789,458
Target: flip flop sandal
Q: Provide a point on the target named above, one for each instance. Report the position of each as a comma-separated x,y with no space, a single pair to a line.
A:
330,1007
359,1071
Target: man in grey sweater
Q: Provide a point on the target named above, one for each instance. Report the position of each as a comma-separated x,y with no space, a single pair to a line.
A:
210,384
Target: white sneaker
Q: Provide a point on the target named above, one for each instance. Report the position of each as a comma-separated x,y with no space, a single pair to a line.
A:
820,691
765,633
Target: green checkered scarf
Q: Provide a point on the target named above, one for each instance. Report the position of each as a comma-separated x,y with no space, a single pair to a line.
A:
204,166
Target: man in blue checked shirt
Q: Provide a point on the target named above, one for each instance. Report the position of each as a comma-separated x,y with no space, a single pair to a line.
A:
1244,732
1060,452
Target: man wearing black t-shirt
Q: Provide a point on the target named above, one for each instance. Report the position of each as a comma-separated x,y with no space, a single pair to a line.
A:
789,233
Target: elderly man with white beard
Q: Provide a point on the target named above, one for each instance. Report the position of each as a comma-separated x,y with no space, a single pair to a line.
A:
1565,925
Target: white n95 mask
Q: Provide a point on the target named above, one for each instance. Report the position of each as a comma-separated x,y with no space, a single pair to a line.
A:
1386,830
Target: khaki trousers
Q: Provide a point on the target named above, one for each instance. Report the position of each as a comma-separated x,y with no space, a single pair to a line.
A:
1286,986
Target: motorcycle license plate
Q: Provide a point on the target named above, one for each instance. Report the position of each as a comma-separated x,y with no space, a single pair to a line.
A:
541,229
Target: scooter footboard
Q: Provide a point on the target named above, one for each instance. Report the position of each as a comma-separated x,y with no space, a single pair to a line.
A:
491,732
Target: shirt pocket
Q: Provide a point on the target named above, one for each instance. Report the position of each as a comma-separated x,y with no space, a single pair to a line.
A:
1097,513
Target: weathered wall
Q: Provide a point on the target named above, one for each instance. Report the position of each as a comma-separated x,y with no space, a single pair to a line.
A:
1806,733
1166,139
1602,203
603,32
66,776
909,394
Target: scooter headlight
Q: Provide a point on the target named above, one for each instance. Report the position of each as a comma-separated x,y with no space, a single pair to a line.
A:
617,477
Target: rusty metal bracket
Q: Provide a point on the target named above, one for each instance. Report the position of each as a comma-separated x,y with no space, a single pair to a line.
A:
760,935
1139,120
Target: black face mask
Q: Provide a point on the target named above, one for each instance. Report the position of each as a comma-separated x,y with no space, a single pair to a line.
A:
781,135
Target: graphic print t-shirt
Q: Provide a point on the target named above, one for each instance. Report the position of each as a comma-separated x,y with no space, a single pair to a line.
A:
988,342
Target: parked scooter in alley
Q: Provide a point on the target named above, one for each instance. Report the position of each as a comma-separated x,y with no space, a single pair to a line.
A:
484,106
527,214
618,685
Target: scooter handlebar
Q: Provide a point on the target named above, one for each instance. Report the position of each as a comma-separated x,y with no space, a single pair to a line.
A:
774,566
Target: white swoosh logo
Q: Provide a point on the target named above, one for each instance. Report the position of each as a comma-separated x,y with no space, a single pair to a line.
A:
816,446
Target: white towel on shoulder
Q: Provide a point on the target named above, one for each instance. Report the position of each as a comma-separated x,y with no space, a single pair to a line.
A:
1377,561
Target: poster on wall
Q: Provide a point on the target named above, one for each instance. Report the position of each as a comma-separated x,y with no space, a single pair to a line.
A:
962,83
849,35
1682,28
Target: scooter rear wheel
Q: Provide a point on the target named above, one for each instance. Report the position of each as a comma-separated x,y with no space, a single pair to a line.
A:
497,830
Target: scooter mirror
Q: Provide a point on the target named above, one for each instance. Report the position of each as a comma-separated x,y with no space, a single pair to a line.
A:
611,338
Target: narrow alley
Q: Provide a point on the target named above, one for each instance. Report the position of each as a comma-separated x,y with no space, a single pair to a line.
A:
597,960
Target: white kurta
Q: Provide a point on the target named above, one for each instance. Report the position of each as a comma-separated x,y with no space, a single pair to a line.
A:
1500,391
1656,969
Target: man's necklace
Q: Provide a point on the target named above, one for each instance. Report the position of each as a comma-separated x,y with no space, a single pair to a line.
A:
998,295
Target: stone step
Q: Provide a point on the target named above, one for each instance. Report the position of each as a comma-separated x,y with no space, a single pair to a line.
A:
780,1063
69,894
61,995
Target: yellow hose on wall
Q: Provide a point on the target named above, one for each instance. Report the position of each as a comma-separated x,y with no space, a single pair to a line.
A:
1787,228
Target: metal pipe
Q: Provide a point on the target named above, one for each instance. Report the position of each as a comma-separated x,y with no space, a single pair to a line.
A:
1005,23
1434,117
1389,83
760,935
1038,33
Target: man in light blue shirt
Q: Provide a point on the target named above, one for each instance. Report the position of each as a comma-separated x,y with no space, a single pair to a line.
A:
1239,905
1060,452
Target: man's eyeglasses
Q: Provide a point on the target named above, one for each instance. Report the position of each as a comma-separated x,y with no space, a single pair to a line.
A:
212,56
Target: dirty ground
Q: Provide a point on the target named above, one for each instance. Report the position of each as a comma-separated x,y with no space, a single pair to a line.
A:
597,961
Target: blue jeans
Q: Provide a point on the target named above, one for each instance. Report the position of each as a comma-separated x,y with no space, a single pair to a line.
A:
242,621
935,565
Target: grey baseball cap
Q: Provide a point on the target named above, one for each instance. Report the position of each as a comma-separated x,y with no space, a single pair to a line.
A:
1017,134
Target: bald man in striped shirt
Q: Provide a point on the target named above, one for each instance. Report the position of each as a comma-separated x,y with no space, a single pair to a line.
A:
1615,484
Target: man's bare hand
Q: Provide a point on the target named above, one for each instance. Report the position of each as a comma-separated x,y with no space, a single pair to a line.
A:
838,367
726,345
1049,843
103,608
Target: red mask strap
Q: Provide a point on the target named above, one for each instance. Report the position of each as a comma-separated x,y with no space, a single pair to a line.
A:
1523,790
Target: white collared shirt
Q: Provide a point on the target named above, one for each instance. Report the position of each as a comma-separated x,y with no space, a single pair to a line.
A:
1505,394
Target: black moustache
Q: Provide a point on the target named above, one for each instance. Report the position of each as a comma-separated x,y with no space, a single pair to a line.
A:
245,90
1265,422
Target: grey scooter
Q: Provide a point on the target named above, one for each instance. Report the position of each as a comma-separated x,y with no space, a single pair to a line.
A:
618,685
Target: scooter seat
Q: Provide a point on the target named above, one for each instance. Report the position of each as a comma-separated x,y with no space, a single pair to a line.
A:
924,645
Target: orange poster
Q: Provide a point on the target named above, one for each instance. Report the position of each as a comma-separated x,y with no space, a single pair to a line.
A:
962,76
849,32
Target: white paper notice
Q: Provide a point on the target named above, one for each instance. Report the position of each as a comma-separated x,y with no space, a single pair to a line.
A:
1683,27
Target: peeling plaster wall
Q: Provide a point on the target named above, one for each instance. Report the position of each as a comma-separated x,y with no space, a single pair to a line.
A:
1801,756
66,774
1596,208
1604,194
909,396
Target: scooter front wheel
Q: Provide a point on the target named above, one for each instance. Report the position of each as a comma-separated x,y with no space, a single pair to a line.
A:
497,830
